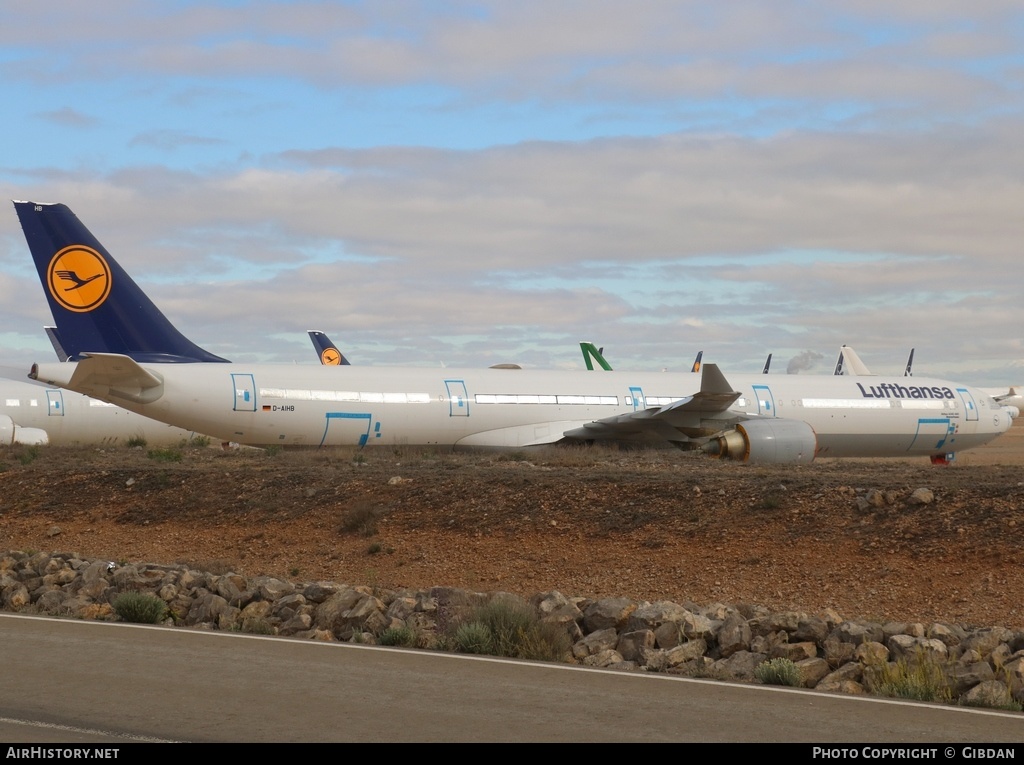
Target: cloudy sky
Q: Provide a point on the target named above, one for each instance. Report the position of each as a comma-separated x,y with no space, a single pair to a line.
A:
475,182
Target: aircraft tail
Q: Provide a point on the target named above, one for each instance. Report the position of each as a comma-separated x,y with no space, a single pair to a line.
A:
326,350
910,363
98,308
767,364
58,347
696,362
590,351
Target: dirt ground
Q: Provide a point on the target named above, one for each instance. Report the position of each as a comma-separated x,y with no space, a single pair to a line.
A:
588,522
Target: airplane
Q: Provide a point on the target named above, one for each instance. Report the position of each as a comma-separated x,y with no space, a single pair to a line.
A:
125,351
33,414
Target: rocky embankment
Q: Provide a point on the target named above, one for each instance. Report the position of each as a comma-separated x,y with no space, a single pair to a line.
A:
983,667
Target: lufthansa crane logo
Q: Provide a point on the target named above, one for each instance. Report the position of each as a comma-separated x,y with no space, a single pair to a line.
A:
78,278
330,357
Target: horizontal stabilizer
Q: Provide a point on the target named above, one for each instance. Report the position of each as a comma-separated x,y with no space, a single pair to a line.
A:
104,375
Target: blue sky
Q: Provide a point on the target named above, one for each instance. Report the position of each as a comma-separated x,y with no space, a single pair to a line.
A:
469,183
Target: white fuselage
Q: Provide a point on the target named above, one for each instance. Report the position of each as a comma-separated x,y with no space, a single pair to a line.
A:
71,419
264,404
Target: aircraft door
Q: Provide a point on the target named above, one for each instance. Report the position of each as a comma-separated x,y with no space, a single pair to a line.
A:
765,400
348,429
54,403
932,432
637,394
970,406
245,392
458,400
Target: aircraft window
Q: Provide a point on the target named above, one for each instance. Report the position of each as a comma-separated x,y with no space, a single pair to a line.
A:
13,402
33,402
530,398
372,397
847,403
922,404
334,395
94,402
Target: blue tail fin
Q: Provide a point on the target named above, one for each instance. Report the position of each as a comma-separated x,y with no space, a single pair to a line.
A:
326,350
696,362
96,305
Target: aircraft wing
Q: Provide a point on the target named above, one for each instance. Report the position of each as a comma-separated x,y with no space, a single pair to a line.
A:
104,375
676,422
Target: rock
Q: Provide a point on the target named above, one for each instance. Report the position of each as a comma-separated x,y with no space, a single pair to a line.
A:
607,613
921,496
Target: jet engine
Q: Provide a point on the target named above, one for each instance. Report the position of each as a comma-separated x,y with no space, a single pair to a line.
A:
765,441
14,434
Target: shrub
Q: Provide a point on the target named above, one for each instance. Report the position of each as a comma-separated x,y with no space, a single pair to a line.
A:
28,454
509,627
139,608
361,517
399,636
256,625
921,679
778,672
165,455
472,637
135,442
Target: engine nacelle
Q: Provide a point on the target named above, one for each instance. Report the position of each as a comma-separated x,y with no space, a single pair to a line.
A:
767,441
14,434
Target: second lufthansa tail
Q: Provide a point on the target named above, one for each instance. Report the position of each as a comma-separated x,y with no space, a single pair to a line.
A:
326,350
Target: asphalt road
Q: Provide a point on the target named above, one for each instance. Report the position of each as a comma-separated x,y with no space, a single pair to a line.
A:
73,681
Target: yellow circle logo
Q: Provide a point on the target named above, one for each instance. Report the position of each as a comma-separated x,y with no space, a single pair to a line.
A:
79,278
330,357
